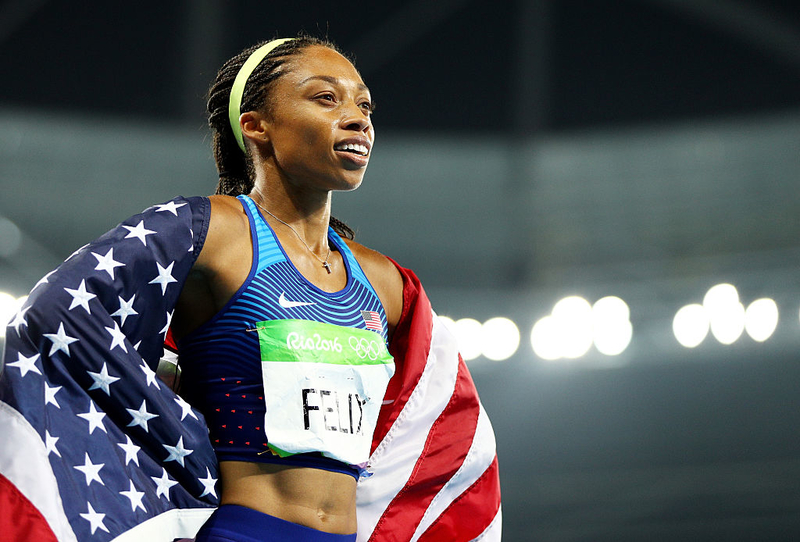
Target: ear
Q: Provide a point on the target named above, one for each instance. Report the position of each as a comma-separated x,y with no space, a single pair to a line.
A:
254,126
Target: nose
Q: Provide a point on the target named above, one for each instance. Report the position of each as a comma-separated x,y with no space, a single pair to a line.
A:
355,118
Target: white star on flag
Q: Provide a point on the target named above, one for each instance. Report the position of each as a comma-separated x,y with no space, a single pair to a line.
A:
102,380
135,497
50,395
94,418
177,452
19,319
95,518
169,321
171,207
117,338
107,263
164,277
163,484
150,374
50,443
139,232
61,340
191,236
131,451
125,309
141,417
208,483
91,471
26,364
186,408
80,297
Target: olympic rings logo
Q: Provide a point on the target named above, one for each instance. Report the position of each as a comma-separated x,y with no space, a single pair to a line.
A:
364,348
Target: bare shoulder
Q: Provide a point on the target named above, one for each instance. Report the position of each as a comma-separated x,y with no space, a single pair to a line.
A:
226,208
385,278
228,222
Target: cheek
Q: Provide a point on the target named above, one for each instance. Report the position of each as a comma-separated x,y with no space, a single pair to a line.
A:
310,138
299,145
318,136
305,137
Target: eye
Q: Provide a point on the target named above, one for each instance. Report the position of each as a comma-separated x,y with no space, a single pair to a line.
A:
368,107
327,97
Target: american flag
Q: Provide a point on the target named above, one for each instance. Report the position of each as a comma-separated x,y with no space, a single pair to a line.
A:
373,320
93,442
433,453
95,447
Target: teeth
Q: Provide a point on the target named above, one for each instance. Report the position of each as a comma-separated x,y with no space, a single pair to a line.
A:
354,147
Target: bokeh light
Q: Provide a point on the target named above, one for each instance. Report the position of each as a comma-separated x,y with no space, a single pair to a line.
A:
468,331
8,308
574,325
725,313
499,339
761,319
612,326
690,325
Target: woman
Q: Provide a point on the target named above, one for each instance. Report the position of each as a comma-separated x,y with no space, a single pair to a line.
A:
307,131
282,330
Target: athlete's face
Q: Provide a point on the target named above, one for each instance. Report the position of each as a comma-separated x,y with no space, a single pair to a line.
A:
319,126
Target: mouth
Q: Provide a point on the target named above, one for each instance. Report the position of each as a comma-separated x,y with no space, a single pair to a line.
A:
356,149
354,152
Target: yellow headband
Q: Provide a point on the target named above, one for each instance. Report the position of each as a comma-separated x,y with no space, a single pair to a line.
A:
237,90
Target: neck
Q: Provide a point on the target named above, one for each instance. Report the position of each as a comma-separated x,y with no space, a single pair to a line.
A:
308,215
323,260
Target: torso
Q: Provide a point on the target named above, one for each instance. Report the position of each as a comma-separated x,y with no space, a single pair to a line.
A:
317,498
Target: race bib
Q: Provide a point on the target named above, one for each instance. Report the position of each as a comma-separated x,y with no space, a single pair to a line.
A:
323,387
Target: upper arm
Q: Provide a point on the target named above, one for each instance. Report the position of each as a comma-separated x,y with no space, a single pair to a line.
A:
220,269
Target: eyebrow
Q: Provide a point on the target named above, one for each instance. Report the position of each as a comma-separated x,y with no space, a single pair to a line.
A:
331,80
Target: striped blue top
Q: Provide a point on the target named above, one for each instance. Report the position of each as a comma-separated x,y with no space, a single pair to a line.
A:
221,361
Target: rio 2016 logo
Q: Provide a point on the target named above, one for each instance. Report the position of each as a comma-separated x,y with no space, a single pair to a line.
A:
362,347
295,341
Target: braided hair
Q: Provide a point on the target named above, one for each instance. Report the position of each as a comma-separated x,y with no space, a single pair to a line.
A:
236,172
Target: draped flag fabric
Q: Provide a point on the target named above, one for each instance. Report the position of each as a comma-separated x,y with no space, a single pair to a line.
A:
95,447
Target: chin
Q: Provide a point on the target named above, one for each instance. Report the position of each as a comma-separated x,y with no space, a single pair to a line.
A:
348,188
348,185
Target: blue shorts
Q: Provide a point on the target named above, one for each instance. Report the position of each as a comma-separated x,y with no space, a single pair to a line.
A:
233,523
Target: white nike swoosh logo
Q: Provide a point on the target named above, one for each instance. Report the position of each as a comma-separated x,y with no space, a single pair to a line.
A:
286,304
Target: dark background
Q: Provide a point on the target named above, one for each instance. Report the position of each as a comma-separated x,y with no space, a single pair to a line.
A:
448,66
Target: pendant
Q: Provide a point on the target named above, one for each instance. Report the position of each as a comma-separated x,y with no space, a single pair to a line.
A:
327,266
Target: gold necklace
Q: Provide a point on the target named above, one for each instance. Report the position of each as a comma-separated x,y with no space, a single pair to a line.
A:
324,262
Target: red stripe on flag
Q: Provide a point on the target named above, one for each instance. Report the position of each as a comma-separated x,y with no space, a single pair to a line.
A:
471,513
169,341
410,346
20,521
447,445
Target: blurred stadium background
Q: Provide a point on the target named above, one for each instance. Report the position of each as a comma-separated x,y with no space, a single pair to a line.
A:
603,196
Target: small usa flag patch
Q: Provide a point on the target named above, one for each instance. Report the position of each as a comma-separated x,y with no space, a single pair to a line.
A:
373,320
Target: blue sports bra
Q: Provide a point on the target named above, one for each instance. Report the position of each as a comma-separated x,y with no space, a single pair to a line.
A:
221,360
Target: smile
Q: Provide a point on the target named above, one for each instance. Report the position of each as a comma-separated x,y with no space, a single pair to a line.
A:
360,150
